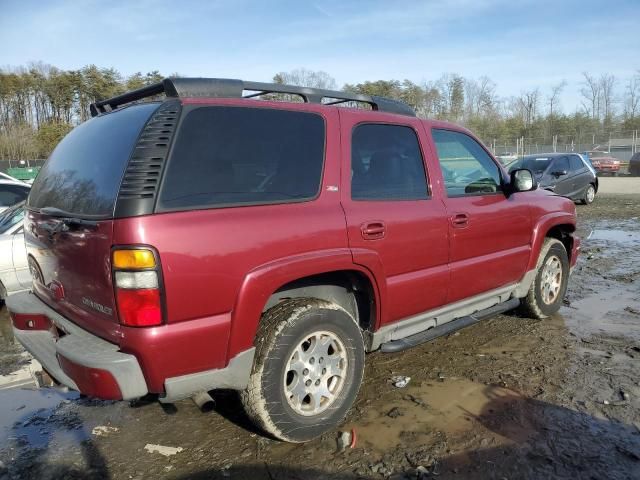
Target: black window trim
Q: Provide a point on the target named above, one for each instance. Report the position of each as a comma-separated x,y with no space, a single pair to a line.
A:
495,162
422,153
186,110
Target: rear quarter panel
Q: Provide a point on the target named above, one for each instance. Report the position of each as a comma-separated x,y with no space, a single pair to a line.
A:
208,255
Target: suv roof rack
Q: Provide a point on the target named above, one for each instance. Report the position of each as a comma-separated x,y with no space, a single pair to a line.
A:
230,88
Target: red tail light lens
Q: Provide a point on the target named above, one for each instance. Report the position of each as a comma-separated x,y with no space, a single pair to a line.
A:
136,278
139,307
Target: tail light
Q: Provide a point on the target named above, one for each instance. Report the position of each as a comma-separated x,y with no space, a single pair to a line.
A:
137,287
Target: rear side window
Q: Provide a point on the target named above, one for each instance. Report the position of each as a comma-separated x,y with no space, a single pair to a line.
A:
561,164
386,164
12,194
231,156
466,167
83,174
575,162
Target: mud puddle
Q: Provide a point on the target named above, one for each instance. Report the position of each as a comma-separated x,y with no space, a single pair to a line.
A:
615,235
451,407
613,312
33,415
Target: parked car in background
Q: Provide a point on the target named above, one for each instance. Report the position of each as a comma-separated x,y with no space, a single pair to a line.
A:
507,158
24,174
604,163
14,270
232,243
567,174
12,192
634,165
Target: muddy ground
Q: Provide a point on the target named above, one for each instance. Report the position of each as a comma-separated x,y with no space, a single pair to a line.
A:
508,398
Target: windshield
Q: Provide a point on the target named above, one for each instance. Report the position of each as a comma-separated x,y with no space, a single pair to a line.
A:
535,164
84,172
11,217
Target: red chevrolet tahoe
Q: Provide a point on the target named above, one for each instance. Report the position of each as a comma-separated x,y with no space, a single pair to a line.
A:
218,240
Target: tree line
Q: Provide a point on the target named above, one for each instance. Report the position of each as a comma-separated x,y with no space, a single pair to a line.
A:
40,103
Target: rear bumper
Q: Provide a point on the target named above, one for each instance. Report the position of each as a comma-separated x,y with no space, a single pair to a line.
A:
73,356
97,368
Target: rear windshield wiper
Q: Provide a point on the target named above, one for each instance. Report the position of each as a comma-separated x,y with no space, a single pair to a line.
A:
69,218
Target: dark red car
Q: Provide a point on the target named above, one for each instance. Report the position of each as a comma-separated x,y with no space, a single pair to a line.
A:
604,163
213,240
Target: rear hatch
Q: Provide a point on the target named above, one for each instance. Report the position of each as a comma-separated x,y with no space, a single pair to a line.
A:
70,217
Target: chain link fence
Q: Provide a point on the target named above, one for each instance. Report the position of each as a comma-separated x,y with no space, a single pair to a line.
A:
621,145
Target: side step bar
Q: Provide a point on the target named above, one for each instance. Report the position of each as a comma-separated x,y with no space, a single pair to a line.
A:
449,327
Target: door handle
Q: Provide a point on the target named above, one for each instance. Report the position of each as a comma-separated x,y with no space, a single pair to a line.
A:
460,220
373,230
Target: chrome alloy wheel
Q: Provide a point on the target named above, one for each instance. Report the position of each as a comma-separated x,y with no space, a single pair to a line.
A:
315,373
591,194
551,280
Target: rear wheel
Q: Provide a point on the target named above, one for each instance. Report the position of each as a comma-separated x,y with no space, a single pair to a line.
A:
589,194
307,370
550,285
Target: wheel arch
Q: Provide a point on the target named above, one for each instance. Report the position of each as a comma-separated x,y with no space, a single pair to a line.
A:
558,225
328,275
351,289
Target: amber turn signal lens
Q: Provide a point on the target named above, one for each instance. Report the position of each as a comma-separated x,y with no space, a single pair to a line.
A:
133,259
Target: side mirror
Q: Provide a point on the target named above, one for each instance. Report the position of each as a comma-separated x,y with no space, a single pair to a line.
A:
559,173
522,180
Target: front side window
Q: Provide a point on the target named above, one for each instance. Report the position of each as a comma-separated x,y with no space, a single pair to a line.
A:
233,156
386,164
466,167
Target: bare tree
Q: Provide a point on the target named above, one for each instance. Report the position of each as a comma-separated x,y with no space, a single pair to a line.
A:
591,94
529,105
553,99
306,78
607,85
480,96
632,97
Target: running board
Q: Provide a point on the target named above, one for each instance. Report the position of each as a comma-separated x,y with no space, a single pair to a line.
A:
449,327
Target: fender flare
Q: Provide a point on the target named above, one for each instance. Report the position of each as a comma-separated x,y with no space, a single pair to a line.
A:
261,282
540,230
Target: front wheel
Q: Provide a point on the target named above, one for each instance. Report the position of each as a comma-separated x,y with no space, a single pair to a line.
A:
307,370
589,195
550,285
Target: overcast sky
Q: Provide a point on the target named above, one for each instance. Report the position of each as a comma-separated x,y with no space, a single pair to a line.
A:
519,44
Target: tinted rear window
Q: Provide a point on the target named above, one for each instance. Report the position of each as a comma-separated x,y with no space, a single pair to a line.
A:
225,156
83,174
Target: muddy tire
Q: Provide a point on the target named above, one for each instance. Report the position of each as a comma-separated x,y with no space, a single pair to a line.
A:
307,369
550,285
589,195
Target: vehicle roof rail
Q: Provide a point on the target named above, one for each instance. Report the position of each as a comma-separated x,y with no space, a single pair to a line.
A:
230,88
